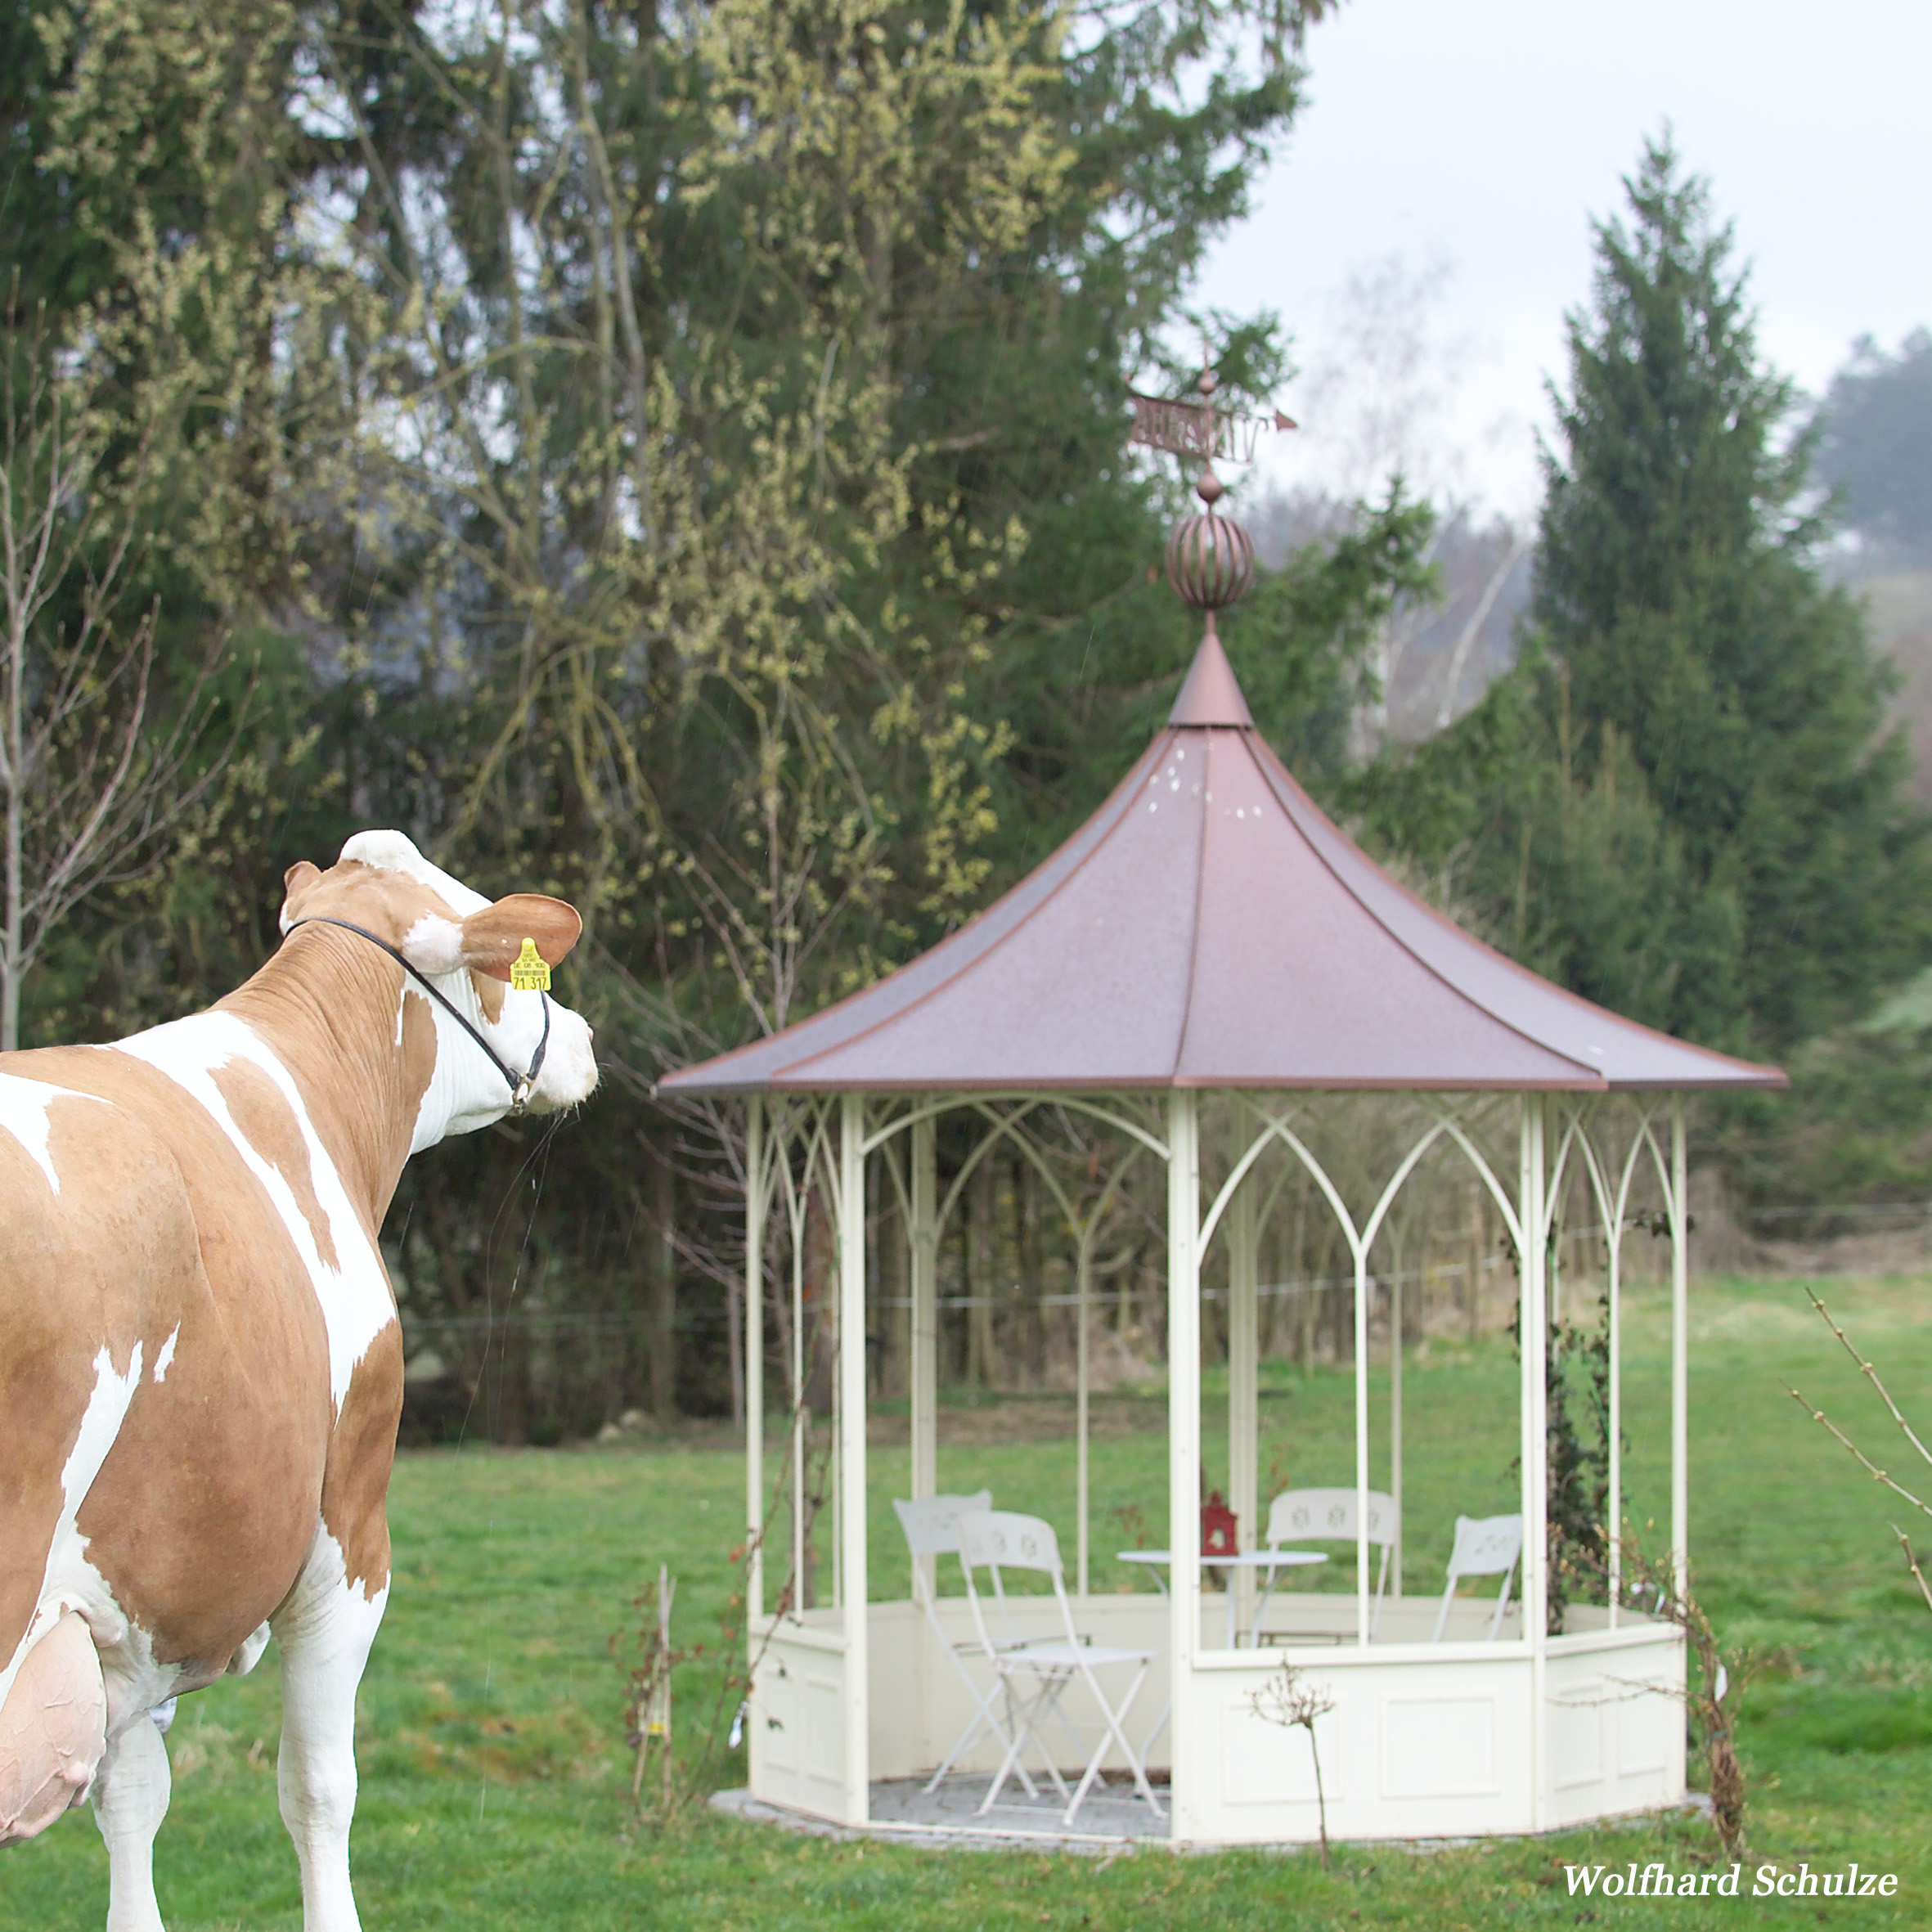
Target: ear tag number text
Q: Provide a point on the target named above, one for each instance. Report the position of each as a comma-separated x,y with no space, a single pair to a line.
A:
528,973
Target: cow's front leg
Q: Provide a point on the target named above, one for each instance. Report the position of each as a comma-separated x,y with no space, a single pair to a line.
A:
130,1800
325,1630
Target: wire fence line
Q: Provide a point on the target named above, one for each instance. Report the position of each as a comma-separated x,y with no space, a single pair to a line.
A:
1379,1278
561,1321
1919,1210
1905,1214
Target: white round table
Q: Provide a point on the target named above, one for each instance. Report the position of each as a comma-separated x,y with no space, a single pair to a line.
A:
1269,1560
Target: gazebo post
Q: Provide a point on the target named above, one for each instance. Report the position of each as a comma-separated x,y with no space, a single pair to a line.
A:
800,1206
1396,1411
1243,1386
851,1453
1082,1311
1086,1228
922,1235
1358,1249
1533,1212
1680,1339
755,1188
1184,1443
1613,1474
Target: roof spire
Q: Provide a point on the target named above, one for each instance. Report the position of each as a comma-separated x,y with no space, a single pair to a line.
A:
1211,694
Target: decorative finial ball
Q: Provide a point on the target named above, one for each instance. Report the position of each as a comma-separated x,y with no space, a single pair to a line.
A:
1211,561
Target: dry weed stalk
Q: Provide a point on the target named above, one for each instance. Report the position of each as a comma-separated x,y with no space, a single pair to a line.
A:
647,1700
720,1729
1288,1699
1872,1468
1652,1585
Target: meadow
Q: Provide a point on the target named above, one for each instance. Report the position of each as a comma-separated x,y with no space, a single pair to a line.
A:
495,1780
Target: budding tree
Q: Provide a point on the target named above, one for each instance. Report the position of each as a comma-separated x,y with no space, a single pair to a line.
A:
90,783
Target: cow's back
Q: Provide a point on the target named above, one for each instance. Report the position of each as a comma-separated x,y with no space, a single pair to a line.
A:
165,1404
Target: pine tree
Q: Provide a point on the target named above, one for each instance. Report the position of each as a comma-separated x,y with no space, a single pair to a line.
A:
1685,629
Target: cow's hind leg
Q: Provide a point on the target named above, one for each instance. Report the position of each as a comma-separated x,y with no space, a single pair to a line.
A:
325,1630
130,1801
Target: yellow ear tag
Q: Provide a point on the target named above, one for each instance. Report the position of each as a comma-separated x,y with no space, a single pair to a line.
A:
528,973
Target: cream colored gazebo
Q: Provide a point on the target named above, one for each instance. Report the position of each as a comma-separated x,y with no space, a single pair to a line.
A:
1205,968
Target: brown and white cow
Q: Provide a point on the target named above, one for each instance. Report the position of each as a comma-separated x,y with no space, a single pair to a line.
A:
201,1367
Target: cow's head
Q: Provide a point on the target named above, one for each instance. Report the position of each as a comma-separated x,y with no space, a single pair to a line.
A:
465,946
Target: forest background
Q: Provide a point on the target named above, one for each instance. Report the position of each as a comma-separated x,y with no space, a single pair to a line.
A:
675,458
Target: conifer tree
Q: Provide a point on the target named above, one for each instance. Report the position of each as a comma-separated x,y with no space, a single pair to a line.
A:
1687,637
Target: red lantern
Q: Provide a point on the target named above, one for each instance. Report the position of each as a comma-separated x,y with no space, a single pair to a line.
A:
1221,1533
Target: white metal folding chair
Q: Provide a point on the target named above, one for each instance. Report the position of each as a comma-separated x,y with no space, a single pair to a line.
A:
932,1527
1328,1516
998,1541
1485,1546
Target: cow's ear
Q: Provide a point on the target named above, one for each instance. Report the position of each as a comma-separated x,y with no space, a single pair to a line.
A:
295,881
493,938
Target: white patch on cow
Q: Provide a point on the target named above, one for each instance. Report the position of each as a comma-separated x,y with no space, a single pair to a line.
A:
69,1581
391,851
435,946
464,1088
25,1113
354,1296
106,1410
165,1359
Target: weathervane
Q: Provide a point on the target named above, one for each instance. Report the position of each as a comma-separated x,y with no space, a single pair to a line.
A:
1186,428
1211,558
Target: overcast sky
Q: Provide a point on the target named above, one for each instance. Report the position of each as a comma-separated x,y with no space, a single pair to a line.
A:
1468,144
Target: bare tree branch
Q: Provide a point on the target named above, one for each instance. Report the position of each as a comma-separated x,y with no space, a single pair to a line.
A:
1877,1474
90,789
1912,1564
1864,1461
1871,1375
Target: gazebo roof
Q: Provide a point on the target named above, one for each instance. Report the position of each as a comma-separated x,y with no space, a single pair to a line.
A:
1208,927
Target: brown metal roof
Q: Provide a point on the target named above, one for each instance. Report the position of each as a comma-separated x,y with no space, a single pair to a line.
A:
1208,927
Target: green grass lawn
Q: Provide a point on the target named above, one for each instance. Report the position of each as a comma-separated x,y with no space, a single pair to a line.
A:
495,1781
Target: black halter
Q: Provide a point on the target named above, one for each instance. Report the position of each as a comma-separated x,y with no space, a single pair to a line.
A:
520,1085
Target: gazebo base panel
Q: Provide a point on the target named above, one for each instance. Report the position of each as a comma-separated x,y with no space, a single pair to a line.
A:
1467,1738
